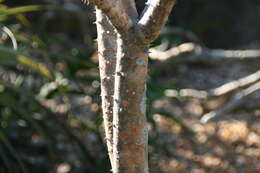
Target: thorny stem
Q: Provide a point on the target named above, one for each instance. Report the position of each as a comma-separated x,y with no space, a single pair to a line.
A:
123,88
107,60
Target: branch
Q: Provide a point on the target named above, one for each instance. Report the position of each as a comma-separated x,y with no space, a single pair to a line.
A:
235,102
219,91
11,35
121,21
107,62
154,18
192,53
173,55
236,84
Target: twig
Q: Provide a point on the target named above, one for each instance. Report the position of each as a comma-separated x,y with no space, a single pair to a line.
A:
236,84
193,53
219,91
11,35
172,53
235,101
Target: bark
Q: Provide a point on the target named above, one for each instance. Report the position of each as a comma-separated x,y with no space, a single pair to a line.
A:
120,20
154,18
130,134
107,62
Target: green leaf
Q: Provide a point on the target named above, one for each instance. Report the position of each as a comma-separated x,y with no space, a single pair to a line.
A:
12,58
5,12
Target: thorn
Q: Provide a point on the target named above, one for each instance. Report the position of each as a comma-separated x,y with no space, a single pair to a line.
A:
116,100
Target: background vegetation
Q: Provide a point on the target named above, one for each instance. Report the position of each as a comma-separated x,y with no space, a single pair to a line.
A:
50,117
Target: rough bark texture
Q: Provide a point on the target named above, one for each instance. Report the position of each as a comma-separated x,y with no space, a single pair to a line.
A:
154,17
117,16
130,136
107,63
130,131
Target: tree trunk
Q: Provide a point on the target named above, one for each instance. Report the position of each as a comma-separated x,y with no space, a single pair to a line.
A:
129,123
123,81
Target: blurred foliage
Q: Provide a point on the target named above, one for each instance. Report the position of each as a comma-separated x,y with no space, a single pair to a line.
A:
47,67
44,85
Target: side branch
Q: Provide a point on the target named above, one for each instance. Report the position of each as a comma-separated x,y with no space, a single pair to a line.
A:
219,91
193,53
154,17
120,20
236,100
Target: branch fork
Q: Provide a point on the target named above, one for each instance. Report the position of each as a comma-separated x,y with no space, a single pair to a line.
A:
152,19
122,69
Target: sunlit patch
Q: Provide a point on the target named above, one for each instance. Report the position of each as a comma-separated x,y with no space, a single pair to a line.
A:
233,131
63,168
211,161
